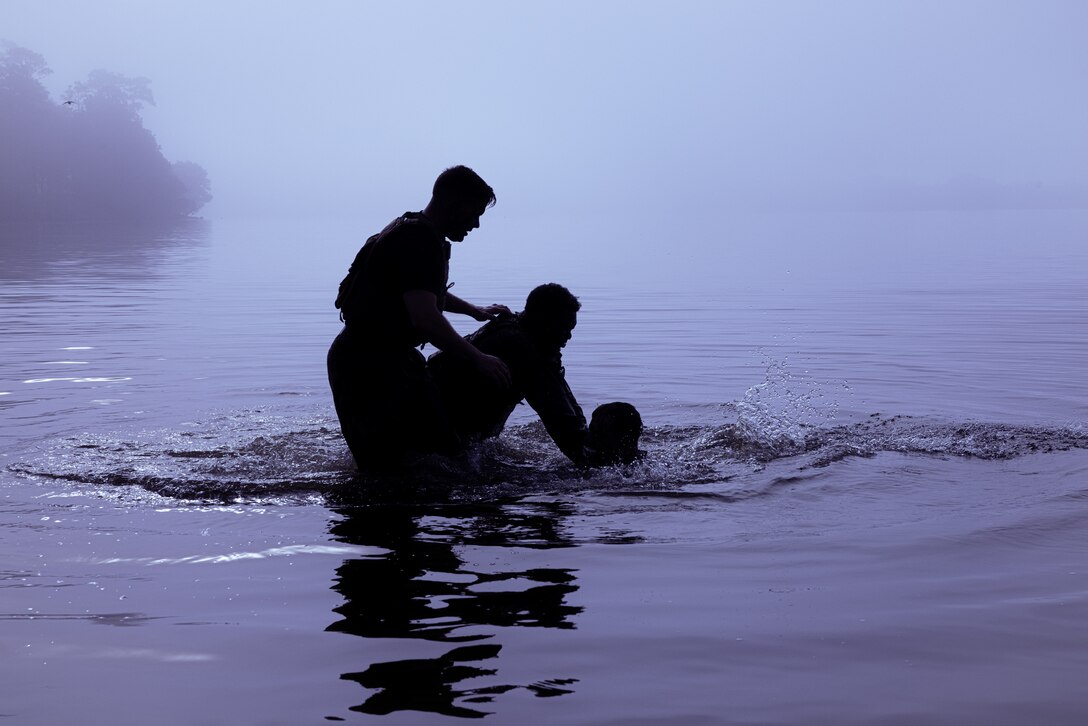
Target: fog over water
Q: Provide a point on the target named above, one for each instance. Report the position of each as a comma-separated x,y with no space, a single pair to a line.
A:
834,252
641,109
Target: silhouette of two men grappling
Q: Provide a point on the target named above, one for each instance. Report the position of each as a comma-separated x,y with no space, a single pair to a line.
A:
393,404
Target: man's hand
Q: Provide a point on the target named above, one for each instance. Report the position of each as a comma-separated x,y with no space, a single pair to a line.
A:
490,312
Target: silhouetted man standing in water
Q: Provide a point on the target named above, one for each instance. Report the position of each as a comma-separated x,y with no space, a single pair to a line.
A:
391,302
531,344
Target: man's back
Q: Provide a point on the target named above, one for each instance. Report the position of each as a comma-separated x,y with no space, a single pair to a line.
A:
407,254
479,410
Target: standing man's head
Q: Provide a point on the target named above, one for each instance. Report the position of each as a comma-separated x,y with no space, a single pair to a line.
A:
458,200
551,314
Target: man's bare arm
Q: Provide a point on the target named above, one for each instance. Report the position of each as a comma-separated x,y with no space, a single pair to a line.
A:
455,304
428,319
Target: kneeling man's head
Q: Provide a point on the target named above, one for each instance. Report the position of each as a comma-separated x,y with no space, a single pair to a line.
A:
550,315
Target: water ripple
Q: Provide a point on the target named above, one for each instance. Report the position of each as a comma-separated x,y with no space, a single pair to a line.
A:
252,457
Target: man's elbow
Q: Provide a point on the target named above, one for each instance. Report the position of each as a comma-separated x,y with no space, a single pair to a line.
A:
423,312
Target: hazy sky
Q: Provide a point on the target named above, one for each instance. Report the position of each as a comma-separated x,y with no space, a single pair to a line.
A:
326,106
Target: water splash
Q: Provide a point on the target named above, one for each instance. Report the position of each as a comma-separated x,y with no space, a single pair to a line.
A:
777,415
248,457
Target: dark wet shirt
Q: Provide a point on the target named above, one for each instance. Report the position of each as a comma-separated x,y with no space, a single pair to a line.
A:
407,255
479,409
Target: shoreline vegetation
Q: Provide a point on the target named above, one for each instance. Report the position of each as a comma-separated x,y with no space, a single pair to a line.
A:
87,157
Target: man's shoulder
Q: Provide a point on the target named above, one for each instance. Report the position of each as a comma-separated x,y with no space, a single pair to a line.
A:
413,239
411,226
507,339
502,328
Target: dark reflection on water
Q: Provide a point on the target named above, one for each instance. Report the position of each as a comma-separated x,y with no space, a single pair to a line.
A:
31,252
422,589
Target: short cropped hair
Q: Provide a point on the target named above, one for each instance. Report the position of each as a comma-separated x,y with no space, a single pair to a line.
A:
614,431
461,184
551,300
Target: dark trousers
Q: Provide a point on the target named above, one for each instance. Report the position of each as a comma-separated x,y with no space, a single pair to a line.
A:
388,406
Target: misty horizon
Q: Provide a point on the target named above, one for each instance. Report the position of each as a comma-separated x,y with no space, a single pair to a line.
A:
614,106
88,157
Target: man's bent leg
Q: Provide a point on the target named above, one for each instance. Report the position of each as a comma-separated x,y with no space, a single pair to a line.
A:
361,407
387,405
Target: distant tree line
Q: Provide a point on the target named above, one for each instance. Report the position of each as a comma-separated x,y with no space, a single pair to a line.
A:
88,156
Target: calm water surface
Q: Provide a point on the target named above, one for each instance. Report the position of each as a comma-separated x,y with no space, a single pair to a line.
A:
864,502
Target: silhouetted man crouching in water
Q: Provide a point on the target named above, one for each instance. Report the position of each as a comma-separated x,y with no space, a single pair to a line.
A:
391,302
531,343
